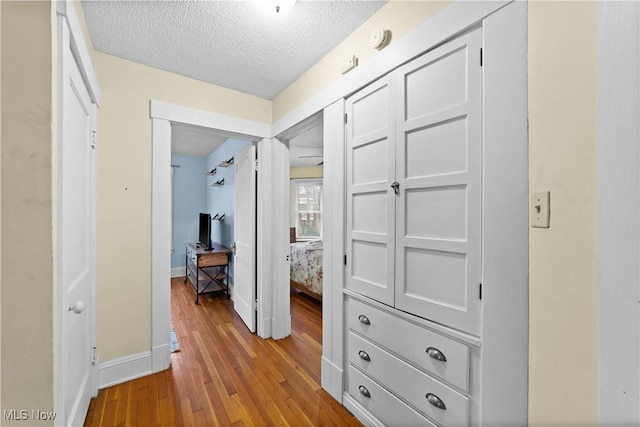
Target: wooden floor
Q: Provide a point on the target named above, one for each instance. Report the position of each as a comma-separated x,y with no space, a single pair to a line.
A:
223,375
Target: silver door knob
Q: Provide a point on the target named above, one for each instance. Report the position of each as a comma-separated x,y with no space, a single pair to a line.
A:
77,308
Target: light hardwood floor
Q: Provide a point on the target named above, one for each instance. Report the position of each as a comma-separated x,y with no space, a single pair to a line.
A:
223,375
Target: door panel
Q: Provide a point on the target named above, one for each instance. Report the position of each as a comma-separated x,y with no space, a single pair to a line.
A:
77,245
438,231
370,200
244,262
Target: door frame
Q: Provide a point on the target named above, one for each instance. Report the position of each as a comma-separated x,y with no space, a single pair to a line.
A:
618,158
69,33
162,114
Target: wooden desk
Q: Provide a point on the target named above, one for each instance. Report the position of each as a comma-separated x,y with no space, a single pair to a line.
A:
207,270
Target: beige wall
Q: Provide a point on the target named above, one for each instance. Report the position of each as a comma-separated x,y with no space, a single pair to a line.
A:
28,289
562,113
124,189
306,172
124,186
398,16
563,370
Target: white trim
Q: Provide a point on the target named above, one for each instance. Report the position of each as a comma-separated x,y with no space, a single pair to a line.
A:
444,25
161,243
618,212
79,49
177,272
273,240
359,412
333,248
127,368
505,253
331,377
192,116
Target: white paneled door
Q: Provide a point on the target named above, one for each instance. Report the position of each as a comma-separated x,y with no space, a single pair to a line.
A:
370,205
244,261
438,170
76,239
414,190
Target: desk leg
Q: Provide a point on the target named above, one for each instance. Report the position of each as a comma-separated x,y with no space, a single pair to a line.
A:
197,284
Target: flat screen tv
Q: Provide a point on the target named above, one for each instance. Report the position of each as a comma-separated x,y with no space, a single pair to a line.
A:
205,230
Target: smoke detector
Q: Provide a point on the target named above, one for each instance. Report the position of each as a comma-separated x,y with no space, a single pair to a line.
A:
380,38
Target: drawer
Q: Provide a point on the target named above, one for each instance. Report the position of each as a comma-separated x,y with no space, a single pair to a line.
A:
382,404
414,386
213,259
416,344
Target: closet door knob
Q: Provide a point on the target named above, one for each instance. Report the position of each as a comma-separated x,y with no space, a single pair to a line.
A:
436,354
364,319
436,401
396,187
77,307
364,356
364,391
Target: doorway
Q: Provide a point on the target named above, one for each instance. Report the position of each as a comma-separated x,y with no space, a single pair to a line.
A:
306,162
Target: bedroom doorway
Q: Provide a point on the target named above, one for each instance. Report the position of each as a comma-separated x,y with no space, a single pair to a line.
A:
204,169
305,141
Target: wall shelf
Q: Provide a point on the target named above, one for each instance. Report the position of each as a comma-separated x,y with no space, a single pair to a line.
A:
211,172
226,163
218,183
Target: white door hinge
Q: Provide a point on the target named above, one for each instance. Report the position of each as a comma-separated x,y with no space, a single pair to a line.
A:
256,165
93,139
94,355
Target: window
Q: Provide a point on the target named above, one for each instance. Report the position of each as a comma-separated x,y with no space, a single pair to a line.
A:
306,195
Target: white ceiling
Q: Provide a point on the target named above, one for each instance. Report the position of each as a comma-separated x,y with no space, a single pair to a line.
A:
234,44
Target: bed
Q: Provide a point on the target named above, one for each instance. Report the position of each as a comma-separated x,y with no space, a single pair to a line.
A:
306,267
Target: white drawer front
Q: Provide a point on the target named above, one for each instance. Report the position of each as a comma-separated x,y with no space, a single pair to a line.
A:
385,406
412,342
413,385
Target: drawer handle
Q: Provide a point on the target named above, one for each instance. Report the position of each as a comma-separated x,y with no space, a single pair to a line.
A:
436,401
364,356
436,354
364,319
364,391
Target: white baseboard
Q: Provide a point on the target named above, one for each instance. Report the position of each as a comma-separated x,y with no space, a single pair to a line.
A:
359,412
122,369
331,379
161,357
177,272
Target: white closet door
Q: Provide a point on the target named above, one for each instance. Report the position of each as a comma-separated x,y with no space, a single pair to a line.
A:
370,200
438,147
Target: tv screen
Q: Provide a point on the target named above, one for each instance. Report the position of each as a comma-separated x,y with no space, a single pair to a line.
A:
205,230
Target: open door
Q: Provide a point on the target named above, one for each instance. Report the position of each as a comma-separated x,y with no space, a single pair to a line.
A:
76,268
244,262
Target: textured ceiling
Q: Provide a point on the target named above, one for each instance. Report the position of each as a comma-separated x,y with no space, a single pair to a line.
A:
234,44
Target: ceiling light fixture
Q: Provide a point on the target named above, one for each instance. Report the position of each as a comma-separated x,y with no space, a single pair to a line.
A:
279,7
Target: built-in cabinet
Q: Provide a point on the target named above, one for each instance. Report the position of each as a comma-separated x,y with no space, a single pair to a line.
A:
413,308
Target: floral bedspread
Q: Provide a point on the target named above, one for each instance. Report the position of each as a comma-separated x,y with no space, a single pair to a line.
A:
306,264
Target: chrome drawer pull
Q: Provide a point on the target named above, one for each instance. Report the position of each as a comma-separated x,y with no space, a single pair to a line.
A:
364,391
436,354
436,401
364,319
364,356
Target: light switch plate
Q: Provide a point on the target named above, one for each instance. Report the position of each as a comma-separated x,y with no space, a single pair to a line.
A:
539,209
